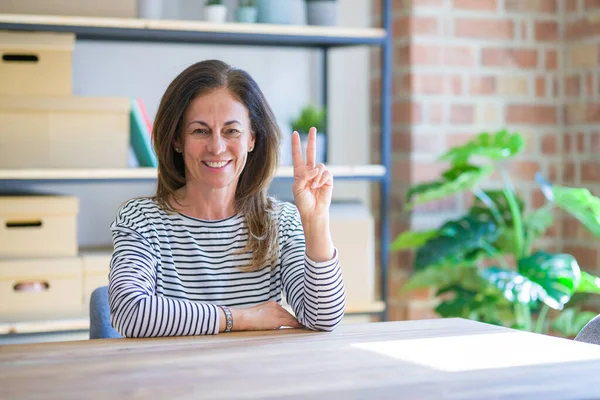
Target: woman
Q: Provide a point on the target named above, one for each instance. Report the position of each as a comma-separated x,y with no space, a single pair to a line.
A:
210,252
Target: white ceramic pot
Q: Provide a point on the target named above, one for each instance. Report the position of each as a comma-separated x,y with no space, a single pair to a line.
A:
321,12
150,9
215,13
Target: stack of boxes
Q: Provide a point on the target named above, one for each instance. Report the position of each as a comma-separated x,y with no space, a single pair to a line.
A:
43,126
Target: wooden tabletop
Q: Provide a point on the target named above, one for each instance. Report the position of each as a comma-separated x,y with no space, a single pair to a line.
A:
445,358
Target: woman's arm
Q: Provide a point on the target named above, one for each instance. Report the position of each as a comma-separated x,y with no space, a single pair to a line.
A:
313,288
136,310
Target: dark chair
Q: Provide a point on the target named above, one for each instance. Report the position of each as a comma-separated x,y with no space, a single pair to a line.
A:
591,332
100,326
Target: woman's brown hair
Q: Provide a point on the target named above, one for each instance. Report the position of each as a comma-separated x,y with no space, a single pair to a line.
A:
251,199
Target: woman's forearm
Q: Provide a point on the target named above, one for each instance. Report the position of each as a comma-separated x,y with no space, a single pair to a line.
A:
319,245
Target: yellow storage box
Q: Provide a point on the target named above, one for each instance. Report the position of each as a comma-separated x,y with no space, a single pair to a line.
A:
69,132
38,64
38,226
40,289
96,266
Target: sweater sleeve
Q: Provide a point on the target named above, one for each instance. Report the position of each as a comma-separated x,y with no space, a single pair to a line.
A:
315,291
135,308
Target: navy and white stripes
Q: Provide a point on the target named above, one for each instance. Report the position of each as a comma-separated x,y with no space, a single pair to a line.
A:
169,272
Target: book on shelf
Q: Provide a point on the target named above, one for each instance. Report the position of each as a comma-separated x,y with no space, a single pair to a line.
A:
141,135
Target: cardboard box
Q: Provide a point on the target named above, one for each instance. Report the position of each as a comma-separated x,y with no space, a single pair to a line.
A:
38,226
67,132
36,64
352,231
96,266
84,8
40,289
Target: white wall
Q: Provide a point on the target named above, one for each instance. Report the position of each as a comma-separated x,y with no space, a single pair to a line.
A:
289,78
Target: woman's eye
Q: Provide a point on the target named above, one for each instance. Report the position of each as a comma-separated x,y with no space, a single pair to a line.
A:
233,132
200,131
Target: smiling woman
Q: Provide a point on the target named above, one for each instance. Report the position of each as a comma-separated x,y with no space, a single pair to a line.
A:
211,252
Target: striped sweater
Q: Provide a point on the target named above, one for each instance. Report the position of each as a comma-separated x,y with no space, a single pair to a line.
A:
169,272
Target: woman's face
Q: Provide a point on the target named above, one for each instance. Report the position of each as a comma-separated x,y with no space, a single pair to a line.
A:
215,140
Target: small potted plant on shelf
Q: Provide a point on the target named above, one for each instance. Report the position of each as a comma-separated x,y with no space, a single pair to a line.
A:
215,11
246,11
321,12
312,116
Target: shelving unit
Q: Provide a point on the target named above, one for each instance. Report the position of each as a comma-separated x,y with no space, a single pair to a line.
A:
162,31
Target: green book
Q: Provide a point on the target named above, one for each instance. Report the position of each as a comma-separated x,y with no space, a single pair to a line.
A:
140,136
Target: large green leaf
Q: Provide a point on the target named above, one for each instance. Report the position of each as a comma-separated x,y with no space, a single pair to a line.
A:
588,284
479,305
581,204
455,180
499,202
496,146
515,287
444,275
458,241
412,239
557,274
571,321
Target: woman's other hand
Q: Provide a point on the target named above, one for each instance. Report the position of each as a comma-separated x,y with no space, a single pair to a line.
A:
265,316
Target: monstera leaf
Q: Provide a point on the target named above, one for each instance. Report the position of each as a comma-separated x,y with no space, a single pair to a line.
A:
571,321
455,180
549,278
588,283
496,146
581,204
412,239
479,305
444,275
489,201
458,241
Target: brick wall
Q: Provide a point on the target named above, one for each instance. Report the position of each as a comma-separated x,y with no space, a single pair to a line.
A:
581,141
465,66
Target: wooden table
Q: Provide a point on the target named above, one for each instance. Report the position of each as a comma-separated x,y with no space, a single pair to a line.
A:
449,358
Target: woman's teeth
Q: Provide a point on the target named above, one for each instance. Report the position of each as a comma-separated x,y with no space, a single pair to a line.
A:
216,164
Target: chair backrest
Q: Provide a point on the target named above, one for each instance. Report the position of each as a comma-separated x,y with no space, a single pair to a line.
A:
591,332
100,326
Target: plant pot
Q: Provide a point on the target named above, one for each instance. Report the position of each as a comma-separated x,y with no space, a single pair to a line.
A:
215,13
321,156
274,11
150,9
246,14
321,12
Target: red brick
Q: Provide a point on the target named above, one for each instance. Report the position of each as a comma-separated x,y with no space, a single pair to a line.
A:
410,142
551,59
462,114
482,85
524,169
589,84
591,5
572,5
456,84
418,311
540,86
531,115
441,55
594,143
586,257
458,139
524,31
436,113
569,171
504,57
403,57
573,229
541,6
550,144
546,31
590,172
406,113
481,5
483,28
414,25
572,85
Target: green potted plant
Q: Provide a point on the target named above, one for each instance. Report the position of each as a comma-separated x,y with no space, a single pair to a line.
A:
485,265
246,11
215,11
312,116
274,11
321,12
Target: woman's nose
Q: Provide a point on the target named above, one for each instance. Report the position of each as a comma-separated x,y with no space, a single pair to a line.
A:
216,144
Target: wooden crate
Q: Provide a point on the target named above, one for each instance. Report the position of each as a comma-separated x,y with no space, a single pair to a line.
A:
96,266
38,226
36,64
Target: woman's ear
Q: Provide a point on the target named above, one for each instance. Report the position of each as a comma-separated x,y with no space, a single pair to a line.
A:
252,141
177,145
